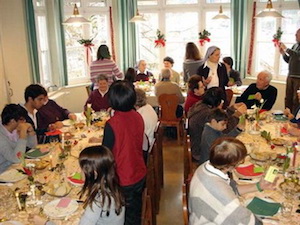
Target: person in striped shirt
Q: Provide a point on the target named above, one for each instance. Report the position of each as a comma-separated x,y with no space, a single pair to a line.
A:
104,65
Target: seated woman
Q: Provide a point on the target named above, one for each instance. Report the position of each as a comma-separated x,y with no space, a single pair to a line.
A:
214,195
104,203
196,91
234,75
99,97
15,135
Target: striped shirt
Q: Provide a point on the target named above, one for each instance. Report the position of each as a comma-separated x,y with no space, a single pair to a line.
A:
105,66
213,201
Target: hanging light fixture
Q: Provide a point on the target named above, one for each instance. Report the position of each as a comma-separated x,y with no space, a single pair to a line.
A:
269,12
76,18
220,15
137,18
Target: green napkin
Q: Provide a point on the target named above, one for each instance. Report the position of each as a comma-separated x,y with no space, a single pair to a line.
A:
258,169
77,176
35,153
251,97
263,208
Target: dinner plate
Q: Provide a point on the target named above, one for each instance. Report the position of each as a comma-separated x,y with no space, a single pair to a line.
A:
12,176
247,171
36,153
265,204
277,112
52,210
76,182
11,223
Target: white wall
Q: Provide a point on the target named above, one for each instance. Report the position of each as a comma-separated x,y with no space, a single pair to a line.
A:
14,47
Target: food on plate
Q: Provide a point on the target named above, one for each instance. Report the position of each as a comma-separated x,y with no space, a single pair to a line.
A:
79,125
260,156
57,188
278,141
42,164
68,135
289,185
100,123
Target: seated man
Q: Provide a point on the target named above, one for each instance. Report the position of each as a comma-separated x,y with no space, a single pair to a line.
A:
98,98
15,135
143,73
166,86
260,91
168,64
50,115
34,99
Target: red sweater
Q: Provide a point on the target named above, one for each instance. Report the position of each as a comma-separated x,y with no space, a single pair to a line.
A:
128,128
191,99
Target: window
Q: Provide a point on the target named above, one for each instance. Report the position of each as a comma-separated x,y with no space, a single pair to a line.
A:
97,12
167,16
267,56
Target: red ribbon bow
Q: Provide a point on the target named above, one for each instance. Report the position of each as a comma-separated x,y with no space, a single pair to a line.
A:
276,42
160,43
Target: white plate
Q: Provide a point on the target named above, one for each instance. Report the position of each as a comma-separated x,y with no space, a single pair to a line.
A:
68,122
11,175
53,211
11,222
277,112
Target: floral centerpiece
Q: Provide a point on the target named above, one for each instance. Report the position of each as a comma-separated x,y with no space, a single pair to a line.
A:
204,37
254,116
277,37
27,168
88,114
160,40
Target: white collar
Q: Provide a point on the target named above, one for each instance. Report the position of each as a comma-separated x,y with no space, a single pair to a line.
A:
215,171
205,64
145,72
102,93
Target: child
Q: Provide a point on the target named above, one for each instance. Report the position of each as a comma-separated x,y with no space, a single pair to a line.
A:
104,204
217,123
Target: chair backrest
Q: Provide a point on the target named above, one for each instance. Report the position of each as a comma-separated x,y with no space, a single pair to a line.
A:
168,104
185,209
229,95
88,89
188,169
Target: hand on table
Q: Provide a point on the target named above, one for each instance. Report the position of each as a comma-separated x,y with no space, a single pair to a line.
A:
56,125
240,107
72,116
287,112
265,185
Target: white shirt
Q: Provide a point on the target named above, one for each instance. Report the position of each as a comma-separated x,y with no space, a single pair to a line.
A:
32,116
150,120
212,73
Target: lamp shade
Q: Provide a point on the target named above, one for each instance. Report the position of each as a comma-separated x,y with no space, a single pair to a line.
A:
137,18
220,15
76,18
269,11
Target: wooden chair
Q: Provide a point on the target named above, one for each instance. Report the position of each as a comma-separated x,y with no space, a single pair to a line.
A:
185,209
157,180
150,185
229,95
168,105
146,209
88,89
158,134
188,169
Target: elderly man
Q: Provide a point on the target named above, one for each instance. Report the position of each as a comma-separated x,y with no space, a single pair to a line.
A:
292,57
168,64
260,92
142,72
98,98
166,86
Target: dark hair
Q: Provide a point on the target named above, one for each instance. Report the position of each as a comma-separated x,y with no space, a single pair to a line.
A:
218,115
121,96
12,112
169,59
226,152
194,82
213,97
141,99
130,75
33,91
191,51
228,60
103,52
98,166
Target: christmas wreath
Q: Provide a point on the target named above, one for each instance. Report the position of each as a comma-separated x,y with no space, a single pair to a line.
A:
160,41
204,37
277,37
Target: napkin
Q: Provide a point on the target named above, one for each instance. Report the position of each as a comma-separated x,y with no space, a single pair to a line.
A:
263,208
284,130
251,97
64,202
248,171
53,133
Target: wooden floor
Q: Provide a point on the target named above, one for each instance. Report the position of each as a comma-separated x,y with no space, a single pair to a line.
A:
170,212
